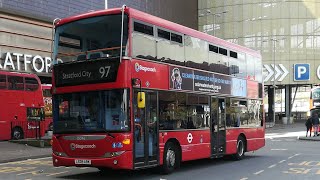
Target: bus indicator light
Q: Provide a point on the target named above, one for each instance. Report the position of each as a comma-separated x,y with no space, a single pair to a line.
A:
126,141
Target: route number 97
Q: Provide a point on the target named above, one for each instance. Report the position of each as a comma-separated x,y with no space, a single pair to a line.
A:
104,71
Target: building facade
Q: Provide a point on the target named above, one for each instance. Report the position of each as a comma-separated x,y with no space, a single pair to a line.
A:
179,11
52,8
286,33
26,32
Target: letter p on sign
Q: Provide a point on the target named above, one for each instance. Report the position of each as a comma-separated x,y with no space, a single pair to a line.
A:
301,72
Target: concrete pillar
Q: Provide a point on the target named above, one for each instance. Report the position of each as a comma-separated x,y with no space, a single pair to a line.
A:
270,104
288,99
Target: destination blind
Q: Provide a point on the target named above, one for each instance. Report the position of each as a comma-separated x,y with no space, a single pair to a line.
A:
86,72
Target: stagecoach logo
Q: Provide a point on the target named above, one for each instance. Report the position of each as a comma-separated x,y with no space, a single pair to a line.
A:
72,146
139,67
189,138
82,146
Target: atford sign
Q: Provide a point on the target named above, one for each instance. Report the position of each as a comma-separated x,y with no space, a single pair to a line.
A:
25,63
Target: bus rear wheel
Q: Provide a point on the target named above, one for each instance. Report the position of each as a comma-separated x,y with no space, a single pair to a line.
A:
17,133
170,158
241,144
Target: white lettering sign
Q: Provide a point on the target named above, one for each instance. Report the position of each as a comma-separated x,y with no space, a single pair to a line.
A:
318,72
37,57
301,70
26,62
18,59
6,61
74,75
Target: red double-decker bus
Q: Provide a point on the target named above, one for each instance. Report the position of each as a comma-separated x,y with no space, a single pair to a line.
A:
21,112
137,91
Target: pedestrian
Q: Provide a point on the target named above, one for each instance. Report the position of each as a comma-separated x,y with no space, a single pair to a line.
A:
309,126
315,123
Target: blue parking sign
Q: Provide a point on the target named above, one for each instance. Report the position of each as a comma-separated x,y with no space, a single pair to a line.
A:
301,72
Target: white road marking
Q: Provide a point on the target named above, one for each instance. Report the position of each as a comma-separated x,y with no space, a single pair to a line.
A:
256,173
244,178
282,161
279,149
293,156
84,168
272,166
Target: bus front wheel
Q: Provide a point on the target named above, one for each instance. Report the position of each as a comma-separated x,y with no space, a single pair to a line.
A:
17,133
241,144
170,158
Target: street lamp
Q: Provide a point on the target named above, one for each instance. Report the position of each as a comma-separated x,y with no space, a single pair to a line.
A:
217,14
274,40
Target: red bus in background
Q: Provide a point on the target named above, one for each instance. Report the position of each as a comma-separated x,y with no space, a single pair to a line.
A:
21,102
47,99
156,94
314,98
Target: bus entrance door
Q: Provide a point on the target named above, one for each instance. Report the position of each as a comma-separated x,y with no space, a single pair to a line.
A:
218,126
146,132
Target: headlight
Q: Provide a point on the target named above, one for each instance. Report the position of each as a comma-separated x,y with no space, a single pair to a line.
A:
62,154
113,154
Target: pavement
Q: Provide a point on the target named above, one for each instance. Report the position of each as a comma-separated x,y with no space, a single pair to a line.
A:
10,152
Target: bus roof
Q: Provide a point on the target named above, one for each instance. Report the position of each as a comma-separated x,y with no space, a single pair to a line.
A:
19,74
142,16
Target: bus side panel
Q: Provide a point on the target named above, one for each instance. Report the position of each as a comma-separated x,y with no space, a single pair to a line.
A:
254,136
259,142
5,132
195,144
231,140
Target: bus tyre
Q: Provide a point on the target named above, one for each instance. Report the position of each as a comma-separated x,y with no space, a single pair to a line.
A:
17,133
170,158
240,149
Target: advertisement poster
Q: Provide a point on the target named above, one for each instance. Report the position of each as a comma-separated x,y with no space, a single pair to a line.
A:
252,88
239,87
223,83
187,79
48,106
180,78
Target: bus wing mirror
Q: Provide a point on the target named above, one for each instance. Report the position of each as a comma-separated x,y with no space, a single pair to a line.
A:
141,100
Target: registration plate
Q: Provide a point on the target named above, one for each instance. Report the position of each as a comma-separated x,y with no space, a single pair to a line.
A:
82,161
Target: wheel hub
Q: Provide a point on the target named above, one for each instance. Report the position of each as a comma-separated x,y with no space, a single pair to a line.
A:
171,158
240,148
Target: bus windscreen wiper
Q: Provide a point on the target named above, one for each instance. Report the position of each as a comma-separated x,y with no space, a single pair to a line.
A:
109,134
